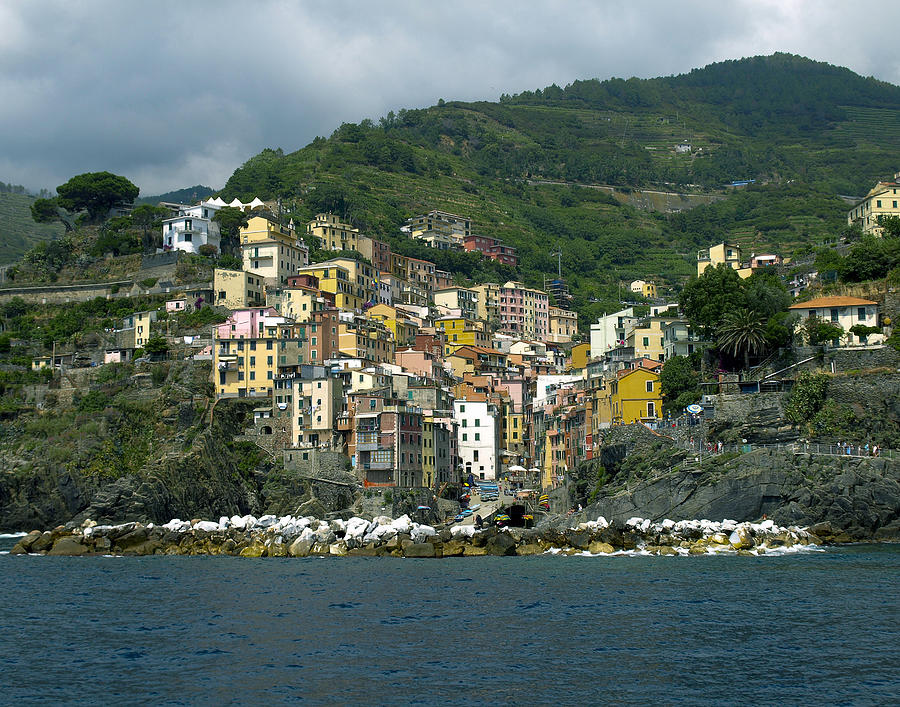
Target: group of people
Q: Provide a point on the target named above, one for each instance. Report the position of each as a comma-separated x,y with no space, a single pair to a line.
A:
861,450
711,447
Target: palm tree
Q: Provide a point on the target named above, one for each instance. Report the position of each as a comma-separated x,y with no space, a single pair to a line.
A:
742,331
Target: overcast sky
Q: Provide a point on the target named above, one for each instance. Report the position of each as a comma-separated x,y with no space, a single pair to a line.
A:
172,94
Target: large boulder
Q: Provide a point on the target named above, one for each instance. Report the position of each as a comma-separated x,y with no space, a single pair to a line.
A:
501,544
25,544
68,545
419,550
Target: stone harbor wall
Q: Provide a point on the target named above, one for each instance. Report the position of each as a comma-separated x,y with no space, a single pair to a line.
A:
268,536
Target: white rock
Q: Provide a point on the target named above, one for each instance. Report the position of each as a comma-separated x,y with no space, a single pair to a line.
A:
421,532
402,524
237,522
207,526
466,530
633,522
177,526
356,527
382,520
265,522
667,524
645,526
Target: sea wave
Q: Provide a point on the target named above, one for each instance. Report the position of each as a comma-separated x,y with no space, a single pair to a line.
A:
683,552
5,536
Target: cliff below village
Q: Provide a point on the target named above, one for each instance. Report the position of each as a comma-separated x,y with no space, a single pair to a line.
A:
145,443
790,473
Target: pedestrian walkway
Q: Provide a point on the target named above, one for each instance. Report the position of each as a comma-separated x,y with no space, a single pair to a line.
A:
833,450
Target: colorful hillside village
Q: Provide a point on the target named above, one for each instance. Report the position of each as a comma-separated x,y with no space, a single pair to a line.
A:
420,381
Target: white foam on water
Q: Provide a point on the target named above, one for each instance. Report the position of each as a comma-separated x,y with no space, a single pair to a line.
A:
6,536
684,552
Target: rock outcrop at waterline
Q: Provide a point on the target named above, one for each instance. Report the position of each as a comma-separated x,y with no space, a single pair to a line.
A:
859,497
268,536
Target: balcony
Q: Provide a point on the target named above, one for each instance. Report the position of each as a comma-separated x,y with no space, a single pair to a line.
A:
376,466
367,442
344,423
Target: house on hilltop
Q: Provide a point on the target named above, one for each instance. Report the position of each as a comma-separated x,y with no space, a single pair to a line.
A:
882,200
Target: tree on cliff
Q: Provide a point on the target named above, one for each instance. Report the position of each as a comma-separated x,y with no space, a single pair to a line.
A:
231,220
679,383
48,211
742,331
96,192
706,299
149,219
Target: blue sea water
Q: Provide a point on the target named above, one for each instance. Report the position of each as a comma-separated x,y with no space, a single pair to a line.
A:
801,629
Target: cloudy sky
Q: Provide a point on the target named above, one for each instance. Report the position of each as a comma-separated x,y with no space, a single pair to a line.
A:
175,93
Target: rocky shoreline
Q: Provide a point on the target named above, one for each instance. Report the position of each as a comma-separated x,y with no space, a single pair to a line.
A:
269,536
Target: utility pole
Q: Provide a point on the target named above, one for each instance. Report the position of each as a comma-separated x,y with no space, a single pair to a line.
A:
558,254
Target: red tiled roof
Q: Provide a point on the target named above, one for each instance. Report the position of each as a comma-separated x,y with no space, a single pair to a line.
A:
832,301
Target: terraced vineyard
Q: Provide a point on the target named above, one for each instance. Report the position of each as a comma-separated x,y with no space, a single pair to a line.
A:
877,126
18,231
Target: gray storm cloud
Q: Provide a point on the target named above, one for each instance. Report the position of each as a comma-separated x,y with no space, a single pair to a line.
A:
172,94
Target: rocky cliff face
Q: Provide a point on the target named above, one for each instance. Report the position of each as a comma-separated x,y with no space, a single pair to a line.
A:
858,497
142,449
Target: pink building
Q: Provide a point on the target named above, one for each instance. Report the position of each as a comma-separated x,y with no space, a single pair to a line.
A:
524,311
248,323
422,363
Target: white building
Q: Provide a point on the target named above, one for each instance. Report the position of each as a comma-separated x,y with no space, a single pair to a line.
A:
611,330
845,312
192,228
478,438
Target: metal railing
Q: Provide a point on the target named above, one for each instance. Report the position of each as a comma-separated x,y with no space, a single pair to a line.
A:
815,448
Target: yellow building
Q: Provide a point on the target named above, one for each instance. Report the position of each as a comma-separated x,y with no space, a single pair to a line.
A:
245,349
335,278
635,396
462,332
648,339
333,234
441,222
298,302
726,253
563,325
644,288
272,250
581,354
401,327
882,200
237,289
488,303
367,339
363,277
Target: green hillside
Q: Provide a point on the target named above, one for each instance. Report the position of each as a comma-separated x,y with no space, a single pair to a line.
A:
805,131
18,231
188,195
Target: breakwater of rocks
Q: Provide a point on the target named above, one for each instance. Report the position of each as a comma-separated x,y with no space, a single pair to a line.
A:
269,536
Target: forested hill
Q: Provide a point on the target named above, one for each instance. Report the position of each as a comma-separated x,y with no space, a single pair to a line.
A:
804,130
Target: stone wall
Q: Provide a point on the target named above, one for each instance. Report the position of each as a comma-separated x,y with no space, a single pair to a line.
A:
861,359
757,418
61,294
